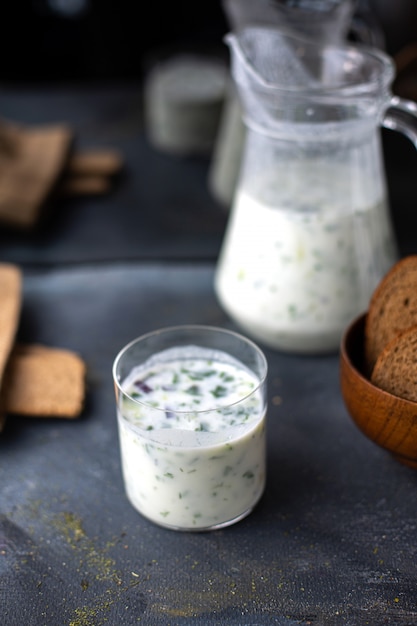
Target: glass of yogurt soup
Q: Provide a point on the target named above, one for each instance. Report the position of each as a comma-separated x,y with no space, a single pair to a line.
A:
191,408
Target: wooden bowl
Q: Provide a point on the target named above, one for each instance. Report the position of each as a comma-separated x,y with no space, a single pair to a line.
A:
389,421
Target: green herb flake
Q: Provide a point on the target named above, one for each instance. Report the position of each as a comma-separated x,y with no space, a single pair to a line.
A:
228,378
194,390
292,310
219,391
203,427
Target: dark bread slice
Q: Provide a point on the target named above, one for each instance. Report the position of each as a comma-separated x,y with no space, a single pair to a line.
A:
44,382
392,308
395,369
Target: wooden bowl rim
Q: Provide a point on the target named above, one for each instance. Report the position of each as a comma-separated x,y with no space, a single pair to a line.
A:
358,326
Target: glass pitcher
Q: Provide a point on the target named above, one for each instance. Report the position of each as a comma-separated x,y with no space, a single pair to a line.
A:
309,235
323,21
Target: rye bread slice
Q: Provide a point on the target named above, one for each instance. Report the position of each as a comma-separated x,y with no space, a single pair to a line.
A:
392,308
44,382
395,369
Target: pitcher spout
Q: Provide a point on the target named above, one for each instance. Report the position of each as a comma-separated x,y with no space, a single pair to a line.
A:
281,77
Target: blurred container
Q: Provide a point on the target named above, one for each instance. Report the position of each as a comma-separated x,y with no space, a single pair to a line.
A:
184,95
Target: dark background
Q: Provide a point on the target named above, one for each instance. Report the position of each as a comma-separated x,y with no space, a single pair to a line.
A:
98,39
64,40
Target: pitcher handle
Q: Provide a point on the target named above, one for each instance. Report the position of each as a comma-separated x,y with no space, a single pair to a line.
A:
401,116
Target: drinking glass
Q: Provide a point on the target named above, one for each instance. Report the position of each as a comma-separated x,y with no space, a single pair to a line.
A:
191,407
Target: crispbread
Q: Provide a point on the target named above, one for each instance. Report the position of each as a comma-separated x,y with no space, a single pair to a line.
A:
10,305
392,308
44,382
31,163
395,369
102,162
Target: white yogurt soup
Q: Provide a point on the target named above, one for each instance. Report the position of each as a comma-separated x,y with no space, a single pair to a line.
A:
192,438
305,247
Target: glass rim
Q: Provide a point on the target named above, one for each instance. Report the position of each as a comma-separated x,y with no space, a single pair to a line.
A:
192,327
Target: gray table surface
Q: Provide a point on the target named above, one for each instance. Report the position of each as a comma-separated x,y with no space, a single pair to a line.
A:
333,541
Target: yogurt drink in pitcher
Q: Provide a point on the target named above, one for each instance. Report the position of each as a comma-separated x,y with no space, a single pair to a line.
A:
289,271
309,233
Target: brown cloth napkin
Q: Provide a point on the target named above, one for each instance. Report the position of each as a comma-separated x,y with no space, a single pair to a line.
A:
36,162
